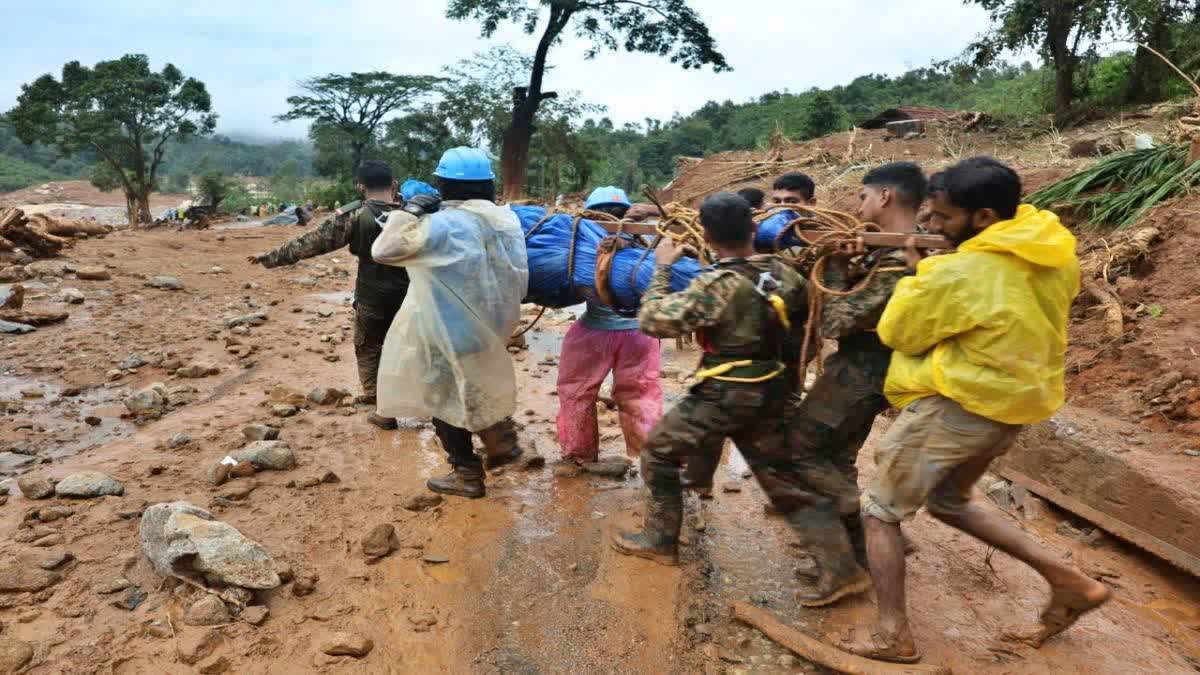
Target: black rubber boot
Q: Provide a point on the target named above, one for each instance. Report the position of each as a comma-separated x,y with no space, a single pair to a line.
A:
460,482
659,538
838,574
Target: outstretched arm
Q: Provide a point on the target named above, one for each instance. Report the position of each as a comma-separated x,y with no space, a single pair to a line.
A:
330,235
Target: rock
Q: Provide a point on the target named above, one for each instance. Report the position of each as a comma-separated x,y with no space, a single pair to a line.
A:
55,539
12,297
423,501
260,432
305,584
1000,492
609,468
1097,147
271,455
178,441
194,646
323,396
111,585
14,328
26,535
346,644
93,273
35,487
49,514
132,361
218,474
197,370
423,622
165,283
129,601
256,319
255,616
435,559
240,491
92,421
182,534
17,578
207,611
88,484
51,560
71,296
149,402
14,655
380,541
214,665
284,411
12,273
284,396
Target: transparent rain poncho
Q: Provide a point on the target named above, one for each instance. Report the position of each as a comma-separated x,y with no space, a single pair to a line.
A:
446,355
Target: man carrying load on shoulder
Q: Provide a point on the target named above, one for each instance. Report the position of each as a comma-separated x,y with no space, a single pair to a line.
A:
604,342
445,355
742,311
834,419
980,337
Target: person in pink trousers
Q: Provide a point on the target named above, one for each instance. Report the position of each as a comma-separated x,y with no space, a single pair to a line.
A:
602,342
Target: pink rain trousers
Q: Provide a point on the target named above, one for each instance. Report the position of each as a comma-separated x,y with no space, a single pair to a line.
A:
588,355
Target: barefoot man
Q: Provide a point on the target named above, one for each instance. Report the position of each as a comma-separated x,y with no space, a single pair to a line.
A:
979,338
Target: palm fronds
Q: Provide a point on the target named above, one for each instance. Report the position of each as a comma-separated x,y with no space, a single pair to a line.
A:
1118,190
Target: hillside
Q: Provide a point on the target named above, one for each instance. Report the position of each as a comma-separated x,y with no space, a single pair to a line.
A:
17,173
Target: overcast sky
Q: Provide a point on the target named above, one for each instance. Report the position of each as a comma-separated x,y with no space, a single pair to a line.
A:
251,53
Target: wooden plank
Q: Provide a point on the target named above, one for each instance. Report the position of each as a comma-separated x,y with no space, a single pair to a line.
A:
1140,538
820,653
871,239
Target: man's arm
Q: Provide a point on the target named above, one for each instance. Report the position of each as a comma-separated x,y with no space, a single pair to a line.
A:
666,315
843,316
929,307
330,235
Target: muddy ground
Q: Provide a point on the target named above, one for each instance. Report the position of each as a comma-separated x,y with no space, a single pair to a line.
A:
529,586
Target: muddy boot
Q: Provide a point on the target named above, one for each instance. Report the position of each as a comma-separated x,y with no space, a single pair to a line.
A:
824,536
460,482
385,423
504,458
659,538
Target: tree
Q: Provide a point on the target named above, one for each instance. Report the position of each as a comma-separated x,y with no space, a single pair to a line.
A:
122,111
1063,30
356,104
824,116
1157,24
665,27
214,188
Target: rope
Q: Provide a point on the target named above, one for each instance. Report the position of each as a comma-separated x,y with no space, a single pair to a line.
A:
531,324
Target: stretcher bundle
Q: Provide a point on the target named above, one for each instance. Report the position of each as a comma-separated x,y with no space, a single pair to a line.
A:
565,251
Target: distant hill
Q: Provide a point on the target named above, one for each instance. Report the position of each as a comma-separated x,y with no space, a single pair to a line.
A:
17,173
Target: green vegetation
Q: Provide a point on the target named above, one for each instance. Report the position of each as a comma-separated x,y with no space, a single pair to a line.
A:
1120,189
18,173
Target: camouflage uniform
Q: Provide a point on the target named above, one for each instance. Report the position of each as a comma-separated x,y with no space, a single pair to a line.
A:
835,418
733,324
379,290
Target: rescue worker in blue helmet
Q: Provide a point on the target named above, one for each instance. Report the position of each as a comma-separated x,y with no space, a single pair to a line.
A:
604,342
445,355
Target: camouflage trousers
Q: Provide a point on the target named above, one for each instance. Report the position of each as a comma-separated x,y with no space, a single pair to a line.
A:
752,415
372,319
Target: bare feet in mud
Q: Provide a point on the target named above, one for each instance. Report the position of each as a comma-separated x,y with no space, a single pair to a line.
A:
873,642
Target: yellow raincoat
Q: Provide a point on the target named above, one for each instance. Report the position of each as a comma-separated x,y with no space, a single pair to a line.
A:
986,326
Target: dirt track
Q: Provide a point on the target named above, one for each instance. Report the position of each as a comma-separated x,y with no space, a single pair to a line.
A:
530,585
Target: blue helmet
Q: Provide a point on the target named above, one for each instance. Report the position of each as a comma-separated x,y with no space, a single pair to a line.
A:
413,187
607,196
463,163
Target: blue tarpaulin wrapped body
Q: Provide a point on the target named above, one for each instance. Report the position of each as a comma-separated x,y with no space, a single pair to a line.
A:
549,253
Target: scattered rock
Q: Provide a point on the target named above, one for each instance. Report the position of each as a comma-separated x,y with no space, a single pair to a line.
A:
260,432
194,646
56,539
240,491
129,601
214,665
423,622
207,611
17,578
272,455
346,644
423,501
323,396
71,296
88,484
149,402
111,585
256,319
35,487
435,559
51,560
92,421
165,283
304,584
242,470
14,655
284,411
616,468
49,514
178,441
132,361
380,541
218,474
255,616
93,273
15,328
197,370
184,535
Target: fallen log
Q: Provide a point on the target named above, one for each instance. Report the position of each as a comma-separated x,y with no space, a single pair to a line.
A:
14,227
32,317
66,228
820,653
1103,265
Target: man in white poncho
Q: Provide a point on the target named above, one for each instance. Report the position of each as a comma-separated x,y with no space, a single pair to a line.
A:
445,356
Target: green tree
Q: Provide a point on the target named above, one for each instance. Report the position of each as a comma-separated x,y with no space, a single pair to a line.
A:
823,115
1065,31
122,111
666,27
412,144
214,188
355,105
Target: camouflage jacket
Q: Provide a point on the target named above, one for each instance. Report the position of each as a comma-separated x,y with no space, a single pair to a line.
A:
851,320
352,225
723,306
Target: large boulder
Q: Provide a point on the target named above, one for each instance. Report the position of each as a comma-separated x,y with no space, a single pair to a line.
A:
179,538
149,402
88,484
271,455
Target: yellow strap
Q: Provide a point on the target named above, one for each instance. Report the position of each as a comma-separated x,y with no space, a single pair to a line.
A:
780,309
717,371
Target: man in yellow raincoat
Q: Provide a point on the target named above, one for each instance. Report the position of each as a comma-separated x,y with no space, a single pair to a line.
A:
979,338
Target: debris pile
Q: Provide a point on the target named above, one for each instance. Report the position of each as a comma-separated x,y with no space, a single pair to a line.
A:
39,235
